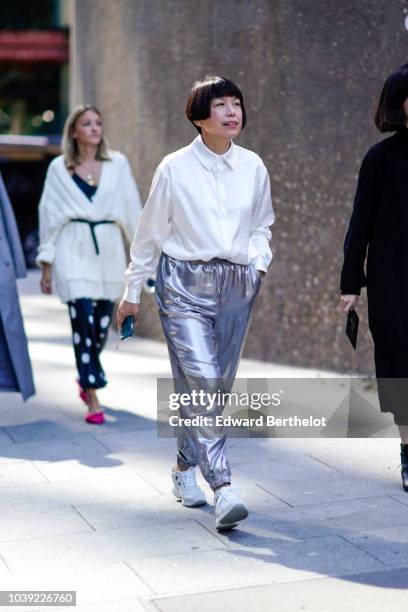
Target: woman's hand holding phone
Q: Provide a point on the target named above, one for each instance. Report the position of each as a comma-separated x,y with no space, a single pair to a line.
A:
126,309
350,302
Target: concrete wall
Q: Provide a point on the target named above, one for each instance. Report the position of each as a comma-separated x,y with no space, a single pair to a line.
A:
311,72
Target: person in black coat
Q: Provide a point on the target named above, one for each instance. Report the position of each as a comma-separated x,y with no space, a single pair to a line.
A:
379,222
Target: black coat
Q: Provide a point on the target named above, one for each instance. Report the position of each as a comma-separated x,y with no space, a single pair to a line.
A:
379,222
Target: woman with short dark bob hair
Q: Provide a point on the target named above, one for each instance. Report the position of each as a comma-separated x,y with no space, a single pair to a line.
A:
199,101
379,222
205,227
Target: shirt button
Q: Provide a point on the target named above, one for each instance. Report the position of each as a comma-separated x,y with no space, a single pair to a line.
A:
7,264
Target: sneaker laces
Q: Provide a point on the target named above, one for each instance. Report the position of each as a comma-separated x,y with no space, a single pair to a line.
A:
224,494
187,478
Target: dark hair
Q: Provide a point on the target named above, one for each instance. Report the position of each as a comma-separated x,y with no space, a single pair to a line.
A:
202,92
390,114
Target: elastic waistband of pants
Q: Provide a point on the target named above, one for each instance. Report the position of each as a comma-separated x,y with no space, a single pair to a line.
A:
203,262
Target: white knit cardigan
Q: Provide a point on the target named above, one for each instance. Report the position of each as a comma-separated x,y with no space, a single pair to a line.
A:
78,271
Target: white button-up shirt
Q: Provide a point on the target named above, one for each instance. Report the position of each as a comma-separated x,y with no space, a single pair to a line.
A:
203,205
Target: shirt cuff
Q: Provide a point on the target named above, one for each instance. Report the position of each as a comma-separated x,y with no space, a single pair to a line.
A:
132,296
259,264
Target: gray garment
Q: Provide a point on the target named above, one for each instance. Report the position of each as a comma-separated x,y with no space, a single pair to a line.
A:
205,310
15,367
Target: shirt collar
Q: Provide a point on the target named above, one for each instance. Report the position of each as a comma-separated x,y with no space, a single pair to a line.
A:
208,158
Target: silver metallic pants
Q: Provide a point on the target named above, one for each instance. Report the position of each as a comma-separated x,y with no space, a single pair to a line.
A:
205,310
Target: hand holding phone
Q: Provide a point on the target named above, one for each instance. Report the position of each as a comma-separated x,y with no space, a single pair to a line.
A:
126,331
126,319
125,309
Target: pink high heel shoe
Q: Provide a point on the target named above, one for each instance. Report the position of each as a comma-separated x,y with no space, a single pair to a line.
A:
95,418
82,392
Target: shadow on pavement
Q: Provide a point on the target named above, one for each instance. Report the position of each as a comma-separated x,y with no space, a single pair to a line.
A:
48,440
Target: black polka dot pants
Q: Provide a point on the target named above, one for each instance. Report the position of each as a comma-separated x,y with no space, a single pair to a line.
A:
90,321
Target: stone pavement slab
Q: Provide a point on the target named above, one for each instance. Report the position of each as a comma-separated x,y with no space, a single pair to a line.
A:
265,560
160,510
378,458
4,438
143,441
371,524
52,450
389,545
377,592
164,508
17,525
278,524
155,468
303,489
4,569
86,466
40,430
97,549
361,515
70,492
301,478
18,474
115,585
399,495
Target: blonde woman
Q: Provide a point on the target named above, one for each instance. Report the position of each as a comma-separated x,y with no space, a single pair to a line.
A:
89,208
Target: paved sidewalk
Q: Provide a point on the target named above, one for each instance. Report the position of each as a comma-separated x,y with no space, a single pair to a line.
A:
90,508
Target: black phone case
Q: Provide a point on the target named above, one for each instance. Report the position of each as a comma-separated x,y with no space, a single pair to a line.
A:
352,327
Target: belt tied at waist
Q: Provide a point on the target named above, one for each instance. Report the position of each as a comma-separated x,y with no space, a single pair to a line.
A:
92,228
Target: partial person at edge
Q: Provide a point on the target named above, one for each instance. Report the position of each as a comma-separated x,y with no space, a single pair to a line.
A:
15,366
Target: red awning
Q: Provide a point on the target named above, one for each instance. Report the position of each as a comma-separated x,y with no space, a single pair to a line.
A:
34,46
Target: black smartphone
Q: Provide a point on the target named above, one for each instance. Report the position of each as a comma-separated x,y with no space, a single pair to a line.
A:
126,331
352,327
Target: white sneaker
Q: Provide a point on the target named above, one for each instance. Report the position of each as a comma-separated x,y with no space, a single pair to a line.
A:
229,509
186,489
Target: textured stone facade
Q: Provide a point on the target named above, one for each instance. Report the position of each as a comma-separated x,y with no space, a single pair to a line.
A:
311,73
